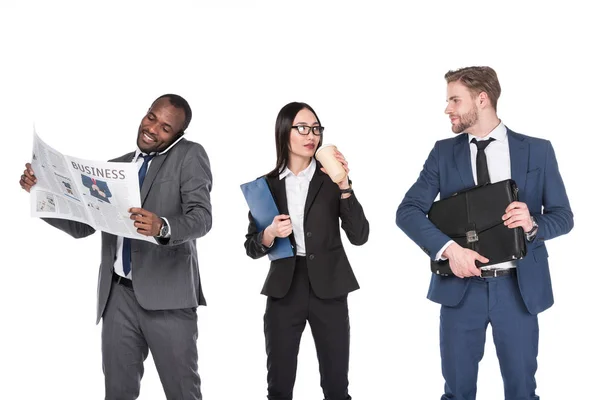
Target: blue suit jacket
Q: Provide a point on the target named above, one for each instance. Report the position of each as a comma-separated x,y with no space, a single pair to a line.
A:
448,170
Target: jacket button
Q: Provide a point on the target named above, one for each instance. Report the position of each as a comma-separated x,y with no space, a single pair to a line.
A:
308,234
311,257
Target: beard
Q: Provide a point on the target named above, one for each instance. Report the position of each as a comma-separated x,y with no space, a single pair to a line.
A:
466,121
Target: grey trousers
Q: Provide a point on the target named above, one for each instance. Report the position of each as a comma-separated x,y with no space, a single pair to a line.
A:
129,332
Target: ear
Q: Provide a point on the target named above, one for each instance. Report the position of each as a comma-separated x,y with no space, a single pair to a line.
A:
483,99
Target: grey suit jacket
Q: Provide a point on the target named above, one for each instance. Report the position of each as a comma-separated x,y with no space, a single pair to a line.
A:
166,276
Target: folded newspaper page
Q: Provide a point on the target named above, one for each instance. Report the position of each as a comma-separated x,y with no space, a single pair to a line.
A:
97,193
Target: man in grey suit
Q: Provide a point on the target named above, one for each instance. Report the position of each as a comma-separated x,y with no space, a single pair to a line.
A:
148,293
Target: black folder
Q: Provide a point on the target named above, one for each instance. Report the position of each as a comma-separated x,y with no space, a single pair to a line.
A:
473,219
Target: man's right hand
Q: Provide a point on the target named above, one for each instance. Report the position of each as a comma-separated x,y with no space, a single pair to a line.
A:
28,178
462,261
280,227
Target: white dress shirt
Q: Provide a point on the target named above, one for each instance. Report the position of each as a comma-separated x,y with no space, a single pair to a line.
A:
118,266
296,190
498,161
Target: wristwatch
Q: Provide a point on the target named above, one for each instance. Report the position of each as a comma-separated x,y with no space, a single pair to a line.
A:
349,190
531,234
164,230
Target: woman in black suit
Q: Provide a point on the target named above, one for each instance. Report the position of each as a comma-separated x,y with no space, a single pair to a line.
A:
313,285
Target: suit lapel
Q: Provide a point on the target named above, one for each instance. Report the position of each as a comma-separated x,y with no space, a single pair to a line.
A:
155,165
315,185
519,158
278,190
462,157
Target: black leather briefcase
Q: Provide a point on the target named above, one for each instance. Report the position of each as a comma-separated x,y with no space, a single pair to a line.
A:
473,219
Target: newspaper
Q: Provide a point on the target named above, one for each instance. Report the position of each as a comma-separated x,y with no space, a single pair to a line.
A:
97,193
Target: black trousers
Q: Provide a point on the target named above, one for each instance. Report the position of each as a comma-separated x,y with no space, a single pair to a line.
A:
285,320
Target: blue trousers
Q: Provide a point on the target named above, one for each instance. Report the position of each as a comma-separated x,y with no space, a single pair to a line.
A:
495,301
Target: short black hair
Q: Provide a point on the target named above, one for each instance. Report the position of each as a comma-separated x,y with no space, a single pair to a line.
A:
179,102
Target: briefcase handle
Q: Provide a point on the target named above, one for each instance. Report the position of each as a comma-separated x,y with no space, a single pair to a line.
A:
513,184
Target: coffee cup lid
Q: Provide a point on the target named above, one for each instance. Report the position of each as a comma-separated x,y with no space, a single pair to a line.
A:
323,146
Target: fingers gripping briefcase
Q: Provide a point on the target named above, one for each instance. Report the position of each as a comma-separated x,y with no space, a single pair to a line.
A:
473,219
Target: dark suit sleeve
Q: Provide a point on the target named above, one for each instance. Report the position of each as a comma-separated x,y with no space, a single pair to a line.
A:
76,229
253,244
556,218
195,187
411,215
354,222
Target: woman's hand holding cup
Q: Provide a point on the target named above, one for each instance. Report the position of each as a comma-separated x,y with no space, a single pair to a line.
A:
335,165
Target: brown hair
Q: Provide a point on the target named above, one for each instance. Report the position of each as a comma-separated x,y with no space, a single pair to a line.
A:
477,80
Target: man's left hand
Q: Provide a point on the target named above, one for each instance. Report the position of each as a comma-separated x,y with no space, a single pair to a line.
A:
517,214
146,222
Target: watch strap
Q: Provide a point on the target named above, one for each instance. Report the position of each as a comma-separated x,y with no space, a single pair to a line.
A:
531,234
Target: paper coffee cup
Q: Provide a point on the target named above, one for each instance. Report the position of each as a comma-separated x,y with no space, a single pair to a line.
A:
326,156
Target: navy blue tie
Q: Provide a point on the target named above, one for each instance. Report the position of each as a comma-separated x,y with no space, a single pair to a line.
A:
127,241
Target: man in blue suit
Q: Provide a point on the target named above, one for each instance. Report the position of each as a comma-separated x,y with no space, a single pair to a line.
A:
508,295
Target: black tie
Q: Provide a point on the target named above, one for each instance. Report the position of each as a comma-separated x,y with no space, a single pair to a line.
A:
483,175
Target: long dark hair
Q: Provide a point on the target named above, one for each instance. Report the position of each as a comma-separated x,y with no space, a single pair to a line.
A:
283,127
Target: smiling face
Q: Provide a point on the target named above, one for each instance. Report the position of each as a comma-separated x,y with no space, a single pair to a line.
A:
462,107
160,127
304,145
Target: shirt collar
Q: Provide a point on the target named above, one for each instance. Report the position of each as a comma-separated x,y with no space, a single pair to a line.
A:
138,152
308,172
499,133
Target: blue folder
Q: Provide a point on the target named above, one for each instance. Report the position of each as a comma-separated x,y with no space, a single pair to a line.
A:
263,210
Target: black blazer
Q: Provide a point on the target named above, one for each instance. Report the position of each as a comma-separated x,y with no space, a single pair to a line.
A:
329,271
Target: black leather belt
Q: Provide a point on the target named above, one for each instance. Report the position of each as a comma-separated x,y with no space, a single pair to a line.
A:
494,273
122,281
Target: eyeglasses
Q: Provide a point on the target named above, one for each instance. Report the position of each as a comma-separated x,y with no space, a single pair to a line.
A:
305,130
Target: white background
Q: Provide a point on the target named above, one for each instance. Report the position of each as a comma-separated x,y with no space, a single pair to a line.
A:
374,73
